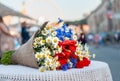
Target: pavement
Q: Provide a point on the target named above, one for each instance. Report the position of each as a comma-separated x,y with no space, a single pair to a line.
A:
111,55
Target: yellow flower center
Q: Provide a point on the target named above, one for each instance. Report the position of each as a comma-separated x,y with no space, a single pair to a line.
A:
52,30
44,32
50,57
55,40
53,68
36,40
41,69
78,52
81,57
43,56
34,44
48,63
43,41
40,38
48,27
48,40
89,56
52,62
47,53
38,55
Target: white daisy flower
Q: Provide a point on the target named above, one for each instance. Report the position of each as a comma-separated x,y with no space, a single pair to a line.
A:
42,42
52,63
55,40
88,56
37,40
80,47
35,45
49,58
47,63
53,68
54,33
55,46
74,37
78,52
47,53
41,69
47,28
38,55
48,40
44,49
52,30
40,38
44,32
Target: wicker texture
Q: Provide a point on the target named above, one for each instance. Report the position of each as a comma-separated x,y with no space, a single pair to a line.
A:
97,71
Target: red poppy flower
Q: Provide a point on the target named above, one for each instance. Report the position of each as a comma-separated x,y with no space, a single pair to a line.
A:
63,61
69,42
86,61
67,53
80,64
72,48
59,55
74,56
60,43
68,47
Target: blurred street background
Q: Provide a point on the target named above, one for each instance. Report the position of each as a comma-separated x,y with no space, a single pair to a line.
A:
111,55
95,22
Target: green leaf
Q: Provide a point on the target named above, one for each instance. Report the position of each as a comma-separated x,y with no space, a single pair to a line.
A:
6,58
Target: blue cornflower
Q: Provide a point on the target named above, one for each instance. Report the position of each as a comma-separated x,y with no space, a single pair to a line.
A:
64,26
60,20
64,32
74,61
60,34
70,31
68,35
65,67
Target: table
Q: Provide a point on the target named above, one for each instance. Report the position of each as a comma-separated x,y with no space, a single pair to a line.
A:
97,71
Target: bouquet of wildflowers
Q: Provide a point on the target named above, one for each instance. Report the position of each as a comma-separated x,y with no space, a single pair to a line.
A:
57,48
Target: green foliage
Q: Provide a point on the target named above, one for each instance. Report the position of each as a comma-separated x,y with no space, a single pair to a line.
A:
6,58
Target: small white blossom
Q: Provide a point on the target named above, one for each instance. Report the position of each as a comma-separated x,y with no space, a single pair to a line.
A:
55,40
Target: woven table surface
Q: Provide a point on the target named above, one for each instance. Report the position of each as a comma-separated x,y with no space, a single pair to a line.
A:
97,71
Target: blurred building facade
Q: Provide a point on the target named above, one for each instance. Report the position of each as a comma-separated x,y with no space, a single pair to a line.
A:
102,19
116,16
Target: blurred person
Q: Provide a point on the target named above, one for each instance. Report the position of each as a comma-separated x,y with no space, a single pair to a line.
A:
116,37
108,39
24,33
6,39
97,39
90,38
82,36
101,42
119,37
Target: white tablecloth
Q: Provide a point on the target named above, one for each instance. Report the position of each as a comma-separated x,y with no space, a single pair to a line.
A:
97,71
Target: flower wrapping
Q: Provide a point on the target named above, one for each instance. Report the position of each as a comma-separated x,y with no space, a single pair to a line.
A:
25,54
